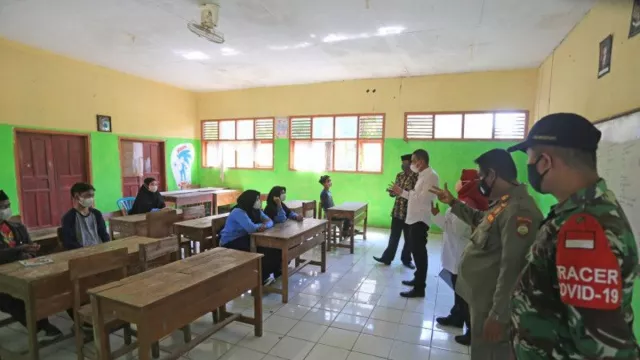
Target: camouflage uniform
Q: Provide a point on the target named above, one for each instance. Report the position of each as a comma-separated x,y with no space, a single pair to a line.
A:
492,261
547,324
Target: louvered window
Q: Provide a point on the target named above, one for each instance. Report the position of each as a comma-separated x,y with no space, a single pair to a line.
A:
347,143
499,125
238,143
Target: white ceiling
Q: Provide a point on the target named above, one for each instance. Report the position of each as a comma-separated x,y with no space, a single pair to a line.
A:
278,42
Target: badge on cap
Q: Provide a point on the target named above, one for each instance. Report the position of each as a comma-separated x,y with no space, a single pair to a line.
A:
523,226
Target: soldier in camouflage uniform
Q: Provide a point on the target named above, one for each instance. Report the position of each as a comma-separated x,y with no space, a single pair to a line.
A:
496,253
573,299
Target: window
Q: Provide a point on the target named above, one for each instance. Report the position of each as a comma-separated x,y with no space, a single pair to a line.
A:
351,143
500,125
242,144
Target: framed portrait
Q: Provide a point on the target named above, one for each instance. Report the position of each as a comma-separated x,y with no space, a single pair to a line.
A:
604,58
634,27
104,123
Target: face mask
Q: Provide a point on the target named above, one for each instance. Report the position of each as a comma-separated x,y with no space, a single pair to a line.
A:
535,178
153,188
5,214
257,205
283,197
86,202
414,168
484,188
406,167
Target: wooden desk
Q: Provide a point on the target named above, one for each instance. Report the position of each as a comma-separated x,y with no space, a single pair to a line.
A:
46,289
201,230
353,211
47,238
186,191
301,207
294,238
130,225
164,299
225,197
215,198
295,206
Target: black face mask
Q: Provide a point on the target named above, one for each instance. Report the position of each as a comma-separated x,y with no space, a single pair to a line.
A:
535,178
484,188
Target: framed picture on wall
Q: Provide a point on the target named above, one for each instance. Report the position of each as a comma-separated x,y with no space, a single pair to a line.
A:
634,28
104,123
604,59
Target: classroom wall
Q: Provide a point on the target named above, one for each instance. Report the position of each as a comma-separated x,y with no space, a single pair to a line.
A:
43,91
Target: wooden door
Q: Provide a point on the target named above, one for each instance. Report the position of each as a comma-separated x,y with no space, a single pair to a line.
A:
49,165
139,160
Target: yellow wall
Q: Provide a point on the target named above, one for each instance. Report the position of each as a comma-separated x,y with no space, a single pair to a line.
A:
568,79
456,92
40,89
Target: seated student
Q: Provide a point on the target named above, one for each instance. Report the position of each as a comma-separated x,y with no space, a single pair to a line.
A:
15,244
245,219
148,198
83,225
276,208
326,201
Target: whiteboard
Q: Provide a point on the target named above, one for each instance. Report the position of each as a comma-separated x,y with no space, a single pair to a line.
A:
619,164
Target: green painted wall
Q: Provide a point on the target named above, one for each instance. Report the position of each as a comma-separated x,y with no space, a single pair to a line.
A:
105,164
447,158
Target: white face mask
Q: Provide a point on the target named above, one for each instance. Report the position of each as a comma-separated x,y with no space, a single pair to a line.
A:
283,197
5,214
153,188
257,205
86,202
414,168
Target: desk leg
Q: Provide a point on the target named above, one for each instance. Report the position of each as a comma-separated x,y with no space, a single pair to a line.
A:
352,240
111,230
364,230
323,252
101,337
214,208
332,233
285,275
144,343
257,302
34,348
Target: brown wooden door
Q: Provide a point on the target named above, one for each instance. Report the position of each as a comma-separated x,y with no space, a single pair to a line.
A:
49,165
139,160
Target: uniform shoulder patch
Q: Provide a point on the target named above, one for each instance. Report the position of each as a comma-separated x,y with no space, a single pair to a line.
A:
523,225
588,272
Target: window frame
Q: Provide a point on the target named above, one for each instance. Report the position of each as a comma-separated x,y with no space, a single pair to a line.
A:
271,140
333,140
464,113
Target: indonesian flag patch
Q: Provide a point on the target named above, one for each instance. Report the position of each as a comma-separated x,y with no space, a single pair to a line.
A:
589,275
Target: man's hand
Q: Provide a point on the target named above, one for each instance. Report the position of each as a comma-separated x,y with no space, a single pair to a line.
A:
435,209
444,195
493,330
277,200
29,248
395,189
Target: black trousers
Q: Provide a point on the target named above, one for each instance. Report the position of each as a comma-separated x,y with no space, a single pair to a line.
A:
418,243
15,308
397,228
460,309
271,262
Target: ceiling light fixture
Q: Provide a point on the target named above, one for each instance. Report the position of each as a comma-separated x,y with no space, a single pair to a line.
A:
193,55
226,51
334,38
390,30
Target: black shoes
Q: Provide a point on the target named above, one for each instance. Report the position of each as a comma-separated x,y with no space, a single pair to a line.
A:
381,260
450,321
464,339
409,265
414,293
409,282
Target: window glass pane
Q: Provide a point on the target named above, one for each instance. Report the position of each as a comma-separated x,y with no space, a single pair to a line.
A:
346,155
510,125
478,126
228,155
213,155
448,126
370,157
346,127
264,155
312,155
244,154
323,127
227,130
245,129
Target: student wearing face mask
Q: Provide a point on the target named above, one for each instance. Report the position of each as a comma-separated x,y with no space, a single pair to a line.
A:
495,255
276,209
245,219
148,198
83,225
574,299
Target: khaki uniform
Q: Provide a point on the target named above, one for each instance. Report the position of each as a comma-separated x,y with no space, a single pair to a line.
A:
492,262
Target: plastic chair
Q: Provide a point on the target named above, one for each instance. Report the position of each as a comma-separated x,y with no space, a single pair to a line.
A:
125,204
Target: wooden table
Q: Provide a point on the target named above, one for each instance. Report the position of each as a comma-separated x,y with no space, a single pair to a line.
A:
201,230
299,206
215,198
170,297
354,211
130,225
295,206
46,289
47,238
293,238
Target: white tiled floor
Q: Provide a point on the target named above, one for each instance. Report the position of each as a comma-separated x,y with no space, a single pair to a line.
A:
351,312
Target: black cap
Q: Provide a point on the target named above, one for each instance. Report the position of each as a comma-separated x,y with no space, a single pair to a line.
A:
500,161
406,157
563,130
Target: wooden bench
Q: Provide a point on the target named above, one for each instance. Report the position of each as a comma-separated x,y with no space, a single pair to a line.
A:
355,212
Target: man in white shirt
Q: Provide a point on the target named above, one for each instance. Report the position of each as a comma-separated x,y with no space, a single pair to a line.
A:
418,219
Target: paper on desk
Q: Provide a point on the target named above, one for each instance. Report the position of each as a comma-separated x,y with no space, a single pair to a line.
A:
36,261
